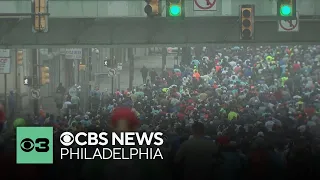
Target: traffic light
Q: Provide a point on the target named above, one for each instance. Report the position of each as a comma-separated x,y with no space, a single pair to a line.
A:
40,20
247,22
45,76
82,67
286,9
153,8
19,57
175,8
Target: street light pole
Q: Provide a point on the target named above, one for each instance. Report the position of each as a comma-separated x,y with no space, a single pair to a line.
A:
112,65
36,79
131,67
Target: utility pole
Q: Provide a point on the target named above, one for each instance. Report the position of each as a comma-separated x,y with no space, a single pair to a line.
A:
89,66
17,79
35,79
131,67
113,65
5,93
83,67
119,62
164,58
77,62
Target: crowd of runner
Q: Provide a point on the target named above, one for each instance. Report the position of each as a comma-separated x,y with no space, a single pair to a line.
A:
242,113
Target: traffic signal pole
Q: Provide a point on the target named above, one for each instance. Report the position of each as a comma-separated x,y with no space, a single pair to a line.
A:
89,64
131,67
119,56
164,58
112,66
35,79
17,78
5,93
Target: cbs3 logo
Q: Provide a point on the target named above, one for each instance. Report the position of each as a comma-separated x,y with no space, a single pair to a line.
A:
40,145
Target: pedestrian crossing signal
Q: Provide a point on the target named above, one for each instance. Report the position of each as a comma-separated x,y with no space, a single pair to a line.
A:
27,81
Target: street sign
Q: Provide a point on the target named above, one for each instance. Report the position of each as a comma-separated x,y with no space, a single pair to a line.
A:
4,52
204,5
35,93
73,91
5,65
74,53
62,50
112,72
289,25
105,63
44,52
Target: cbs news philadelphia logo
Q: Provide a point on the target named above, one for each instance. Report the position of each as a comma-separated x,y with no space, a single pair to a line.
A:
34,145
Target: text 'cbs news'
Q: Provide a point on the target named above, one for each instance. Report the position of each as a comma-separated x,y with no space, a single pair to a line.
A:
124,145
